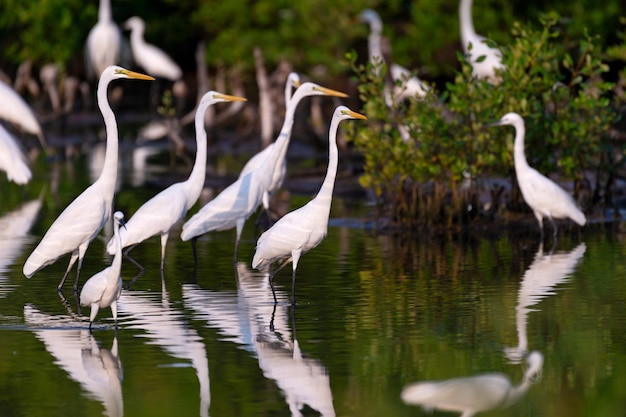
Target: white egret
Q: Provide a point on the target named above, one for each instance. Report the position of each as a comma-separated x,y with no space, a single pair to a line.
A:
293,81
83,218
407,86
232,207
151,58
104,288
303,229
104,42
15,110
12,159
544,196
158,215
482,68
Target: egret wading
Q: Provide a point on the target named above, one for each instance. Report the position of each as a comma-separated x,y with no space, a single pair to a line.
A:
83,218
303,229
544,196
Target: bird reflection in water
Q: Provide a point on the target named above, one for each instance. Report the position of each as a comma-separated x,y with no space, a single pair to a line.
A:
76,351
254,321
474,394
165,326
539,281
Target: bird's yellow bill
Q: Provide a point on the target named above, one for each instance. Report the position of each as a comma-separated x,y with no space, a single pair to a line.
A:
330,92
226,97
354,114
135,75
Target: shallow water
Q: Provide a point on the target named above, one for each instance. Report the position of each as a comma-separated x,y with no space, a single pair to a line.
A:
374,314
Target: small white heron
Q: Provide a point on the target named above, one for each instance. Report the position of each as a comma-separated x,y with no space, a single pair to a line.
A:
83,218
104,288
303,229
544,196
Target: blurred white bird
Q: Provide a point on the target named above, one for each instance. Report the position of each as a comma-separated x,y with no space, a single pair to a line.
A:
158,215
15,110
12,159
83,218
544,196
104,288
239,200
485,68
103,42
152,59
303,229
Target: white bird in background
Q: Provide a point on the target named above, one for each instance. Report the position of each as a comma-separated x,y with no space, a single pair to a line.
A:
473,394
158,215
544,196
232,207
152,59
103,42
486,68
303,229
83,218
104,288
409,85
12,159
15,110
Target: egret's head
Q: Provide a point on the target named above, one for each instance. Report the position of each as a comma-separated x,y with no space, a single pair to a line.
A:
118,216
134,23
119,72
511,118
346,113
312,89
294,79
215,97
370,17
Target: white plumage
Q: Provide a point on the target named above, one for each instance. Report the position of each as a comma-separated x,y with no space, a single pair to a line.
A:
15,110
82,219
104,288
303,229
103,42
158,215
12,159
543,195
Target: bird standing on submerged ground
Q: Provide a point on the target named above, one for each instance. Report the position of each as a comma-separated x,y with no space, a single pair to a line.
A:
232,207
486,68
303,229
15,110
83,218
103,42
104,288
159,214
12,159
544,196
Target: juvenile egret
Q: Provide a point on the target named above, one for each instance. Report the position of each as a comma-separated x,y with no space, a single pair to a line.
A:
158,215
104,288
239,200
409,86
12,159
544,196
15,110
484,69
152,59
303,229
103,42
83,218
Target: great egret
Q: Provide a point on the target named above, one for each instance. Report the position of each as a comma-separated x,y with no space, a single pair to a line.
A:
407,86
104,288
232,207
15,110
158,215
151,58
544,196
103,42
293,81
482,68
83,218
303,229
12,159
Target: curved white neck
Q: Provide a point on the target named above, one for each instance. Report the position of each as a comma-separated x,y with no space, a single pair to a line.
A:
108,176
519,156
466,23
116,265
198,173
333,159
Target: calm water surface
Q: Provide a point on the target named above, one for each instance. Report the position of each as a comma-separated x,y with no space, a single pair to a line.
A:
374,314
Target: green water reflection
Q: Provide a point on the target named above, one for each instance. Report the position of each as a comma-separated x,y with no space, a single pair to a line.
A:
374,314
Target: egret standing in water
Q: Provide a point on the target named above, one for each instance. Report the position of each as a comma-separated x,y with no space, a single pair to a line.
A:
158,215
544,196
303,229
83,218
104,288
486,68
